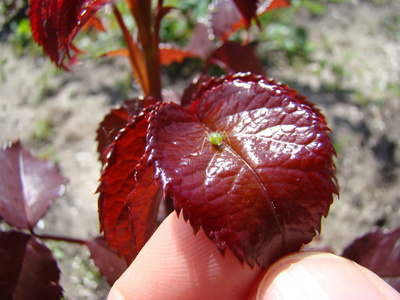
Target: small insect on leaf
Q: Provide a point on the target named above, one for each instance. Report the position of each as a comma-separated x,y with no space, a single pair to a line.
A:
215,138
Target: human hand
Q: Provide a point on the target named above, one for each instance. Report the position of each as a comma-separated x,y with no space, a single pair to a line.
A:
175,264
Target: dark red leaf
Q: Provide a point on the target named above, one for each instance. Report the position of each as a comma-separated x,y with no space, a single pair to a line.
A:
208,83
44,26
263,189
380,252
248,9
118,180
225,18
28,186
110,265
55,23
117,120
28,269
200,43
233,57
143,203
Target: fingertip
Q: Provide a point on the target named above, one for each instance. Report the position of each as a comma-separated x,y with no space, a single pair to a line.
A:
317,275
176,264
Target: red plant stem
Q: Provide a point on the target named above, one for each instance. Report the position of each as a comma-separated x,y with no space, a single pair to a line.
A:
141,12
156,43
135,55
59,238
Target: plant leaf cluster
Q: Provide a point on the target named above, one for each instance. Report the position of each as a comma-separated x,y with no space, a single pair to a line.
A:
28,187
242,157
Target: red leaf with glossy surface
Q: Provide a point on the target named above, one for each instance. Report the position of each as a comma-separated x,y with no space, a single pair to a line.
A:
28,269
118,220
55,23
110,265
117,120
262,189
380,252
28,186
144,202
44,26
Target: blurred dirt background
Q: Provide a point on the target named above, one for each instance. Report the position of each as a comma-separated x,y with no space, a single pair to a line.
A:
352,73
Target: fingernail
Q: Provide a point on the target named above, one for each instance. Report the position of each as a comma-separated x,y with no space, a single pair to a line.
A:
115,295
311,275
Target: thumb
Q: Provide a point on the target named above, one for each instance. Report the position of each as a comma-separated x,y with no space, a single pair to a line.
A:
317,275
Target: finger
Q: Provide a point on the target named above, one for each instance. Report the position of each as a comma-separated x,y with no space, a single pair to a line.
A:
176,264
317,275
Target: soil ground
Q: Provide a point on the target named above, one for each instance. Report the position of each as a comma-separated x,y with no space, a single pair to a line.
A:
353,76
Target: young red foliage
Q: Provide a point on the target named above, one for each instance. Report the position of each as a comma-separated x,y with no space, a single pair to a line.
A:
28,186
55,23
28,268
248,9
125,228
225,17
111,266
260,189
261,193
380,252
115,121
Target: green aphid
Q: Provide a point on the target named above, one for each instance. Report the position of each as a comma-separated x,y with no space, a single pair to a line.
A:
215,138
